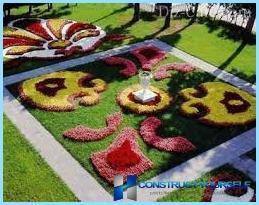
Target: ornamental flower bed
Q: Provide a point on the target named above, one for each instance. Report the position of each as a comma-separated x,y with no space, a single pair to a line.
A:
148,56
51,38
127,101
219,104
54,93
122,157
172,144
129,69
228,194
82,133
162,72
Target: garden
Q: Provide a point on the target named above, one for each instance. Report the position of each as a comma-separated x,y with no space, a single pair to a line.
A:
85,86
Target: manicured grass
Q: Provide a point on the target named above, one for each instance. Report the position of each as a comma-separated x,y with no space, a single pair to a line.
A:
202,136
215,44
195,194
26,176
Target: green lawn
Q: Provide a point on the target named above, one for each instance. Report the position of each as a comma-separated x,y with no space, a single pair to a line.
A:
195,194
203,136
26,176
213,43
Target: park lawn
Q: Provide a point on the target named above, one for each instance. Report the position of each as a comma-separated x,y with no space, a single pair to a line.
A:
195,194
202,136
211,44
27,177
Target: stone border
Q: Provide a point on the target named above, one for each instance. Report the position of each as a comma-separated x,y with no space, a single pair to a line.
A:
245,165
82,184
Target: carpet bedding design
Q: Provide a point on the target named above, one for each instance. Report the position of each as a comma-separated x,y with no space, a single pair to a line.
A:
58,91
122,157
219,104
211,104
51,38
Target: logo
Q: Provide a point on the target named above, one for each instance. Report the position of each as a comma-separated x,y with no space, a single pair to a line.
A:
130,187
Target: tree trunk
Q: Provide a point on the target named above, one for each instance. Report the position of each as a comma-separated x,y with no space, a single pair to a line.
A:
251,20
136,16
168,16
196,6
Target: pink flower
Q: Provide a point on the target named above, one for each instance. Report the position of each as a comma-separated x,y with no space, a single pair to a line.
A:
148,56
129,68
162,72
112,162
82,133
177,144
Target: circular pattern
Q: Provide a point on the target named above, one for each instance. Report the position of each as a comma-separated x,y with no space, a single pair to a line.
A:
127,101
49,38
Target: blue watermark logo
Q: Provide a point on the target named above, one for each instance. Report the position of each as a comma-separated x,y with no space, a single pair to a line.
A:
130,187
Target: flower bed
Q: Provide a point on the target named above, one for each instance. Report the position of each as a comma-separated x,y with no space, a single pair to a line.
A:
54,93
122,157
172,144
148,56
218,103
129,69
162,72
127,101
227,194
51,38
82,133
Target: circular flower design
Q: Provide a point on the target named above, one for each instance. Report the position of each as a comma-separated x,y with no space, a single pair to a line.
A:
126,99
49,38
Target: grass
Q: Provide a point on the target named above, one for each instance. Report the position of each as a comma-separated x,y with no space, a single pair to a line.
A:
216,43
204,137
27,177
195,194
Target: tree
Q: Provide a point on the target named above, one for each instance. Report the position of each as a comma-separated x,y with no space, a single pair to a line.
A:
136,16
195,12
251,20
168,15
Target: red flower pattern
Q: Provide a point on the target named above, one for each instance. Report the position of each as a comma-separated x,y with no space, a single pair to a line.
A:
176,144
148,56
82,133
129,68
123,157
162,72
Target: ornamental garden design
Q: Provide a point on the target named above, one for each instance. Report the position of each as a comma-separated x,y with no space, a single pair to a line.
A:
92,111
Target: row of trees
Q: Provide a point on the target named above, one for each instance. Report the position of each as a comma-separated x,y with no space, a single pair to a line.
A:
248,10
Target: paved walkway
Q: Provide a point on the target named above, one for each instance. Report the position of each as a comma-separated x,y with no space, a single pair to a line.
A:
81,183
